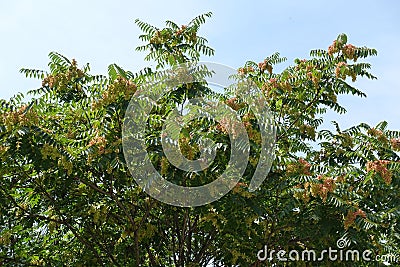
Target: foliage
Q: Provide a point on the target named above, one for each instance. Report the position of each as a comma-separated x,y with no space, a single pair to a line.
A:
67,197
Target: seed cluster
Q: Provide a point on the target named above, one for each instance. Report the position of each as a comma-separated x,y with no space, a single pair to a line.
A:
351,217
320,189
166,36
245,70
301,167
395,142
265,66
65,81
100,142
270,86
380,167
119,88
19,117
380,136
348,50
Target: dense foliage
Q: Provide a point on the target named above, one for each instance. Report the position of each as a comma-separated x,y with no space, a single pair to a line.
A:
67,197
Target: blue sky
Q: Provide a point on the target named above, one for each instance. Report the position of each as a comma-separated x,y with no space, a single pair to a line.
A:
103,32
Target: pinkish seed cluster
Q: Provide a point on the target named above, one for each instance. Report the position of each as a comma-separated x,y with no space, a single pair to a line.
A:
380,167
351,217
265,66
395,143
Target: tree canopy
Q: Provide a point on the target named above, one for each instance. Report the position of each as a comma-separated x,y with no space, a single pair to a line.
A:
68,198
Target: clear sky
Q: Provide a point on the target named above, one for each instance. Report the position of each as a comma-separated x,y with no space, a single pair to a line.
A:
103,32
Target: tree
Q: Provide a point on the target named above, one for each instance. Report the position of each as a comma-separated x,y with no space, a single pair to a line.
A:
67,197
